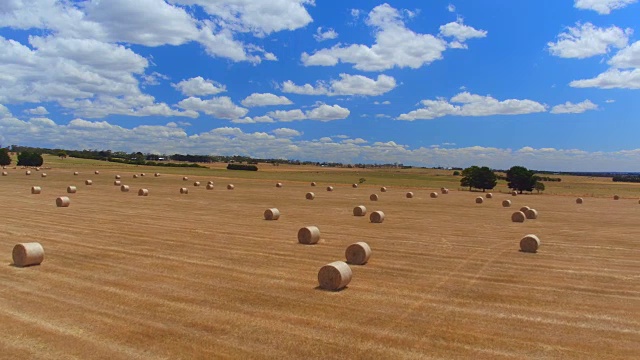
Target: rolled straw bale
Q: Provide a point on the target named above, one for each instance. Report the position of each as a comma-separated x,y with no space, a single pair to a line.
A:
506,203
124,188
579,201
376,217
616,197
433,195
185,178
530,243
445,191
71,189
334,276
514,193
518,216
309,235
143,192
383,189
36,190
97,172
117,183
27,254
28,172
156,174
329,188
313,183
88,182
531,214
479,200
37,169
209,186
63,201
310,196
409,195
373,197
524,208
271,214
197,183
143,174
230,187
43,174
358,253
355,186
359,211
184,191
489,196
4,173
278,185
135,176
76,173
209,182
117,177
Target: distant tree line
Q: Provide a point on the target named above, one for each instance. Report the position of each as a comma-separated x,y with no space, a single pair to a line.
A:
242,167
626,178
518,178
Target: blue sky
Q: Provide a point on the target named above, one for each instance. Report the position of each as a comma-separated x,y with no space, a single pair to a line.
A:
545,84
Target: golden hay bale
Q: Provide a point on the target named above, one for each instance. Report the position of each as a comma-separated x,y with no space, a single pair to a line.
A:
156,174
309,235
329,188
27,254
278,185
63,201
518,216
358,253
313,183
209,182
514,193
117,177
36,190
43,174
531,214
524,209
184,191
124,188
97,172
355,186
230,187
376,217
143,192
616,197
117,183
489,196
4,173
359,210
185,178
197,183
71,189
373,197
209,186
479,200
88,182
383,189
433,195
579,201
445,191
530,243
310,196
506,203
409,195
135,176
334,276
142,174
37,169
76,173
271,214
27,172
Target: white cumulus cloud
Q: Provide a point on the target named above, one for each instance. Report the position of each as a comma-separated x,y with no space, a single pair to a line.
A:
346,85
265,99
286,132
198,86
571,108
586,40
219,107
322,35
603,7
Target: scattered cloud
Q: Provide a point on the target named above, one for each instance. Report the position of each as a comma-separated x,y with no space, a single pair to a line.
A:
603,7
587,40
286,133
40,110
346,85
153,79
461,33
611,79
571,108
265,99
609,101
328,34
198,86
219,107
451,8
322,112
386,102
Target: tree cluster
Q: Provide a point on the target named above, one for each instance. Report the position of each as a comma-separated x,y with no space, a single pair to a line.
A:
521,179
27,158
479,178
5,159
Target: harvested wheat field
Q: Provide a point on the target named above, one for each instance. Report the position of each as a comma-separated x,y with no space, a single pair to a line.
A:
170,276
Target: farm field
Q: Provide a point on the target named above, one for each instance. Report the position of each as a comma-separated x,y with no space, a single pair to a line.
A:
203,275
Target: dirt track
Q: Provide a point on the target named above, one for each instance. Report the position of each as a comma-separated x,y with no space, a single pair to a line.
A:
204,276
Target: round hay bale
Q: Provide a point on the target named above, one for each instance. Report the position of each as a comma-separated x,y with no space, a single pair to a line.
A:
185,178
309,235
376,217
124,188
209,182
359,211
97,172
209,186
4,173
530,243
524,209
36,190
143,192
518,216
506,203
197,183
383,189
142,174
334,276
43,174
71,189
88,182
373,197
117,183
329,188
433,195
310,196
28,172
118,177
616,197
514,193
230,187
479,200
409,195
579,201
156,174
313,183
135,176
445,191
63,201
278,185
271,214
27,254
489,196
354,185
76,173
358,253
531,214
184,191
37,169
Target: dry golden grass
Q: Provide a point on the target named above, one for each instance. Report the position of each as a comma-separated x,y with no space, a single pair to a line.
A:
205,276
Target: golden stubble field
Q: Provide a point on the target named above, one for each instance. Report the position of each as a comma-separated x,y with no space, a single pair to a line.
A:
202,275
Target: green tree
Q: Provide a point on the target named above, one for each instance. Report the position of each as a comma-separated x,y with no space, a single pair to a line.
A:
5,159
456,173
479,178
27,158
468,175
521,179
539,186
62,154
